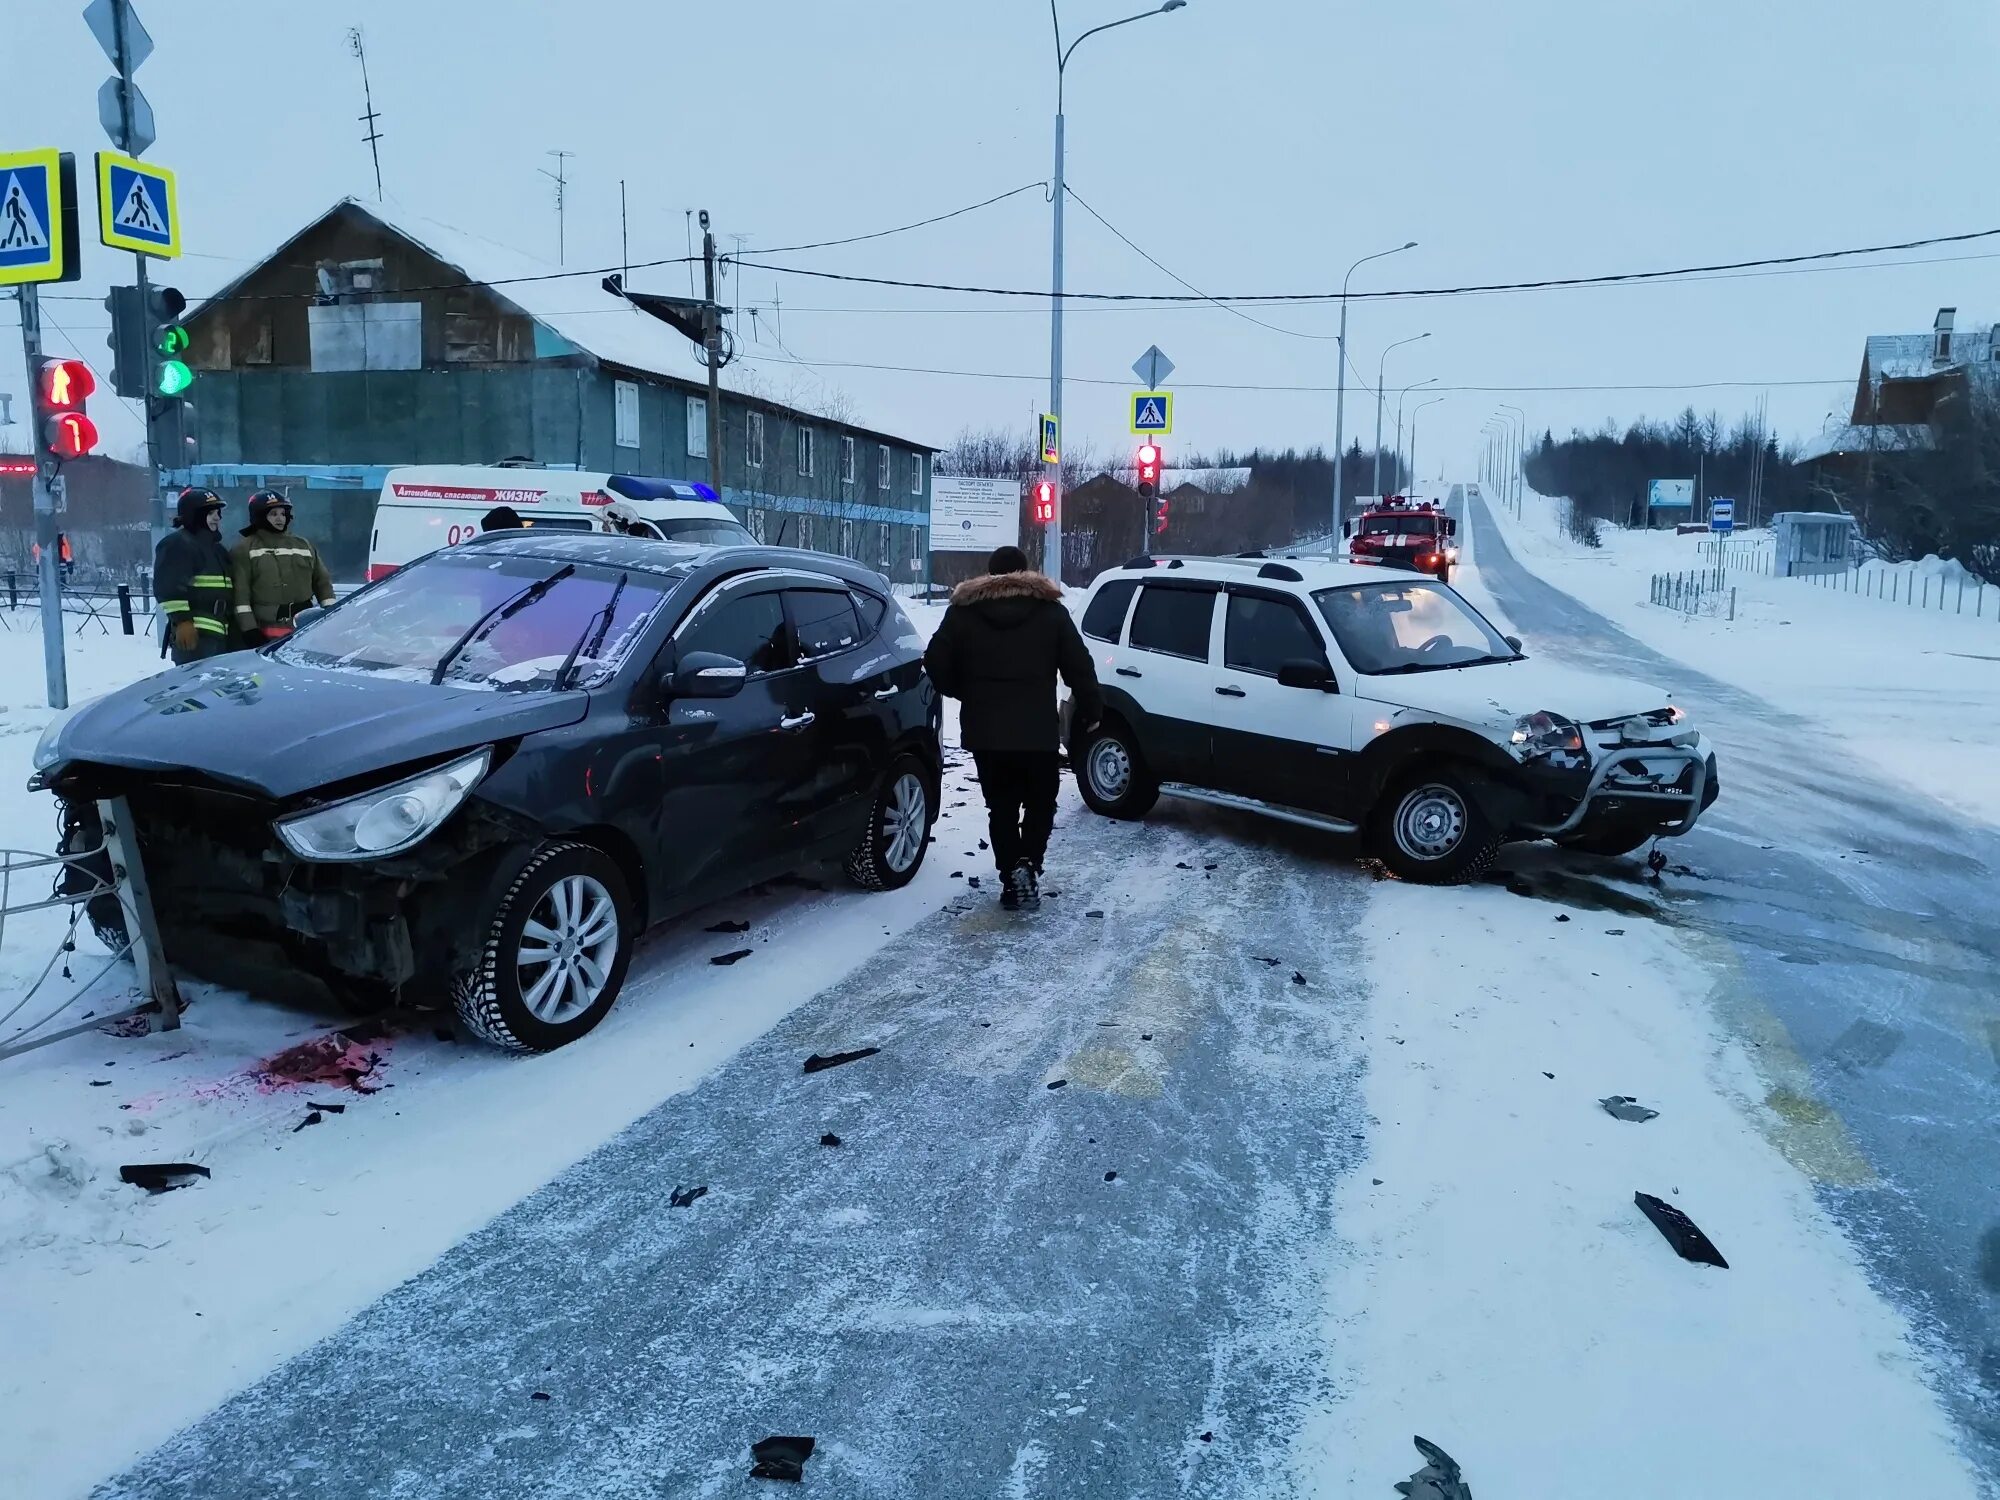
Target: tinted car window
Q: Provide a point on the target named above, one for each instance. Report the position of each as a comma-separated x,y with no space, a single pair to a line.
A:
871,610
824,621
1174,621
749,627
1106,615
1263,634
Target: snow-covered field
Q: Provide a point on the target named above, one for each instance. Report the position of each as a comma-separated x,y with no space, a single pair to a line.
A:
1914,692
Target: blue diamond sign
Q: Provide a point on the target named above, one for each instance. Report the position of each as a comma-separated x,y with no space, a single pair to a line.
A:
1153,413
37,217
137,207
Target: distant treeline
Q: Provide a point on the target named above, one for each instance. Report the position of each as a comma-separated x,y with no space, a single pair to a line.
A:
1606,473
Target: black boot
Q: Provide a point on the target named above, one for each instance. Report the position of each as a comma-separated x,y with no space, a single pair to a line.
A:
1025,887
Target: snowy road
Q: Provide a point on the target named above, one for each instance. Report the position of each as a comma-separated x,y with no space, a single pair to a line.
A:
1858,933
956,1299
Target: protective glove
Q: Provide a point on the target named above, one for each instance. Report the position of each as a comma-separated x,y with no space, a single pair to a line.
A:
186,637
268,633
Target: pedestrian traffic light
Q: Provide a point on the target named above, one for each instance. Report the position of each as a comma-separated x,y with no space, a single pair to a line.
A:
1045,501
1160,524
1149,470
62,386
169,339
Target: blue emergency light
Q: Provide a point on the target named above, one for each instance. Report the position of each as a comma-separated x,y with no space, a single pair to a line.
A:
640,487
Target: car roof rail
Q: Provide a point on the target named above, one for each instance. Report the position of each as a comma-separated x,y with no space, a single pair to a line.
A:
1140,562
1250,554
1282,573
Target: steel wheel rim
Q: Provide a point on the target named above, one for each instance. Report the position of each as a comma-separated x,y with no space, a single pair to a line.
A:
1110,769
904,822
1430,822
562,963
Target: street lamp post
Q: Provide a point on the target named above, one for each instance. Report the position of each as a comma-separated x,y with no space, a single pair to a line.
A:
1397,477
1340,396
1492,431
1520,451
1380,367
1413,433
1052,538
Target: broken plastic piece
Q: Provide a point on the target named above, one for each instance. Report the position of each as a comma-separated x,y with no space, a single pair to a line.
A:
819,1064
1181,864
1438,1479
682,1197
731,958
332,1109
1297,977
780,1458
829,1139
538,1396
1058,1083
1680,1231
1110,1176
312,1119
728,926
1093,914
1562,917
162,1176
1625,1107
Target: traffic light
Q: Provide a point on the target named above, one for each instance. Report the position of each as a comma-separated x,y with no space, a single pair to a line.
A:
62,386
1045,501
131,356
1160,525
169,340
1149,470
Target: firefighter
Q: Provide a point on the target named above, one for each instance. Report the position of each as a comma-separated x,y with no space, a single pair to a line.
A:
277,573
191,580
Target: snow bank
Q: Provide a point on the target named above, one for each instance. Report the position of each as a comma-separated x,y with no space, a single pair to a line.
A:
1500,1293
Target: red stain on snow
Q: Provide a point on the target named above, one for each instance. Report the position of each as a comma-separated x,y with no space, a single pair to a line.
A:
339,1059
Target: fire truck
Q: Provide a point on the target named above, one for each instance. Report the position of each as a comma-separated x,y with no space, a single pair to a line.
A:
1396,531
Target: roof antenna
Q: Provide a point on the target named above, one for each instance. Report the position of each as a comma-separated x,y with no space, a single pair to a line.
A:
561,180
368,102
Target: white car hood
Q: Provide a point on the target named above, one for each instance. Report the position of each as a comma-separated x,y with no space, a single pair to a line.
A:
1496,695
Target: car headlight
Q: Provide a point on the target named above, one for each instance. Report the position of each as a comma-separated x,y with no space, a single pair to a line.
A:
47,752
1545,733
387,820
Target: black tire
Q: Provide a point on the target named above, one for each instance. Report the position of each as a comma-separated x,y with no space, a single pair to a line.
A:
892,847
1444,573
82,830
1430,828
1111,772
1610,844
489,997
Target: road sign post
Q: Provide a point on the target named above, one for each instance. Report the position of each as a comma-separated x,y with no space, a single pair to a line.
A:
48,565
1722,516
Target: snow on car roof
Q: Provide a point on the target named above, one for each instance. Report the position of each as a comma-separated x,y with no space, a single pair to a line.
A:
1316,572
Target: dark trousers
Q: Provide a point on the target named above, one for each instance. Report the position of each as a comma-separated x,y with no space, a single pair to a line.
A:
1020,790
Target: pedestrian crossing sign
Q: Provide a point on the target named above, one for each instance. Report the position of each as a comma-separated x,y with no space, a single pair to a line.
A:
37,217
1153,412
1051,439
137,208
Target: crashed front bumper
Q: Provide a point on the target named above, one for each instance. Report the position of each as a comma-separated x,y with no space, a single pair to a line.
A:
1666,787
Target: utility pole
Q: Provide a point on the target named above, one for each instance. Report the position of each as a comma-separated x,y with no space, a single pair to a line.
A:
368,116
561,180
48,568
1052,535
712,346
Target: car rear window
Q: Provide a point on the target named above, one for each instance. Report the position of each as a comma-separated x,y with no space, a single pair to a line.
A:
1264,633
1174,621
1105,617
823,621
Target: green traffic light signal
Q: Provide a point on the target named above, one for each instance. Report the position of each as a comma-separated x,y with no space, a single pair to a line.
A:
173,339
175,377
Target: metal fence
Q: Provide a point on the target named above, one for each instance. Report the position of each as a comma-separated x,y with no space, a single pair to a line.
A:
1952,596
122,609
1697,591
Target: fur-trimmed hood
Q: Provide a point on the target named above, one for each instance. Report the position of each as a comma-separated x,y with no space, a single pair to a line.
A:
991,586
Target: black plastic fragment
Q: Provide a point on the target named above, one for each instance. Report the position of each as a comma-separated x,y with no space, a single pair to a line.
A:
1181,864
332,1109
829,1139
725,925
780,1458
681,1197
312,1119
1680,1231
1094,914
100,1083
725,959
1562,916
1297,977
818,1064
972,882
538,1396
162,1176
1625,1107
1058,1083
1439,1479
1110,1176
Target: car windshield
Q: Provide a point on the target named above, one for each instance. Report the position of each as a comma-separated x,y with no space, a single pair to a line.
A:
513,622
1409,627
1414,525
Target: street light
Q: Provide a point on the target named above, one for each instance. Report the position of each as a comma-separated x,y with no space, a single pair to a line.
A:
1417,386
1490,470
1052,537
1380,366
1520,447
1413,433
1340,395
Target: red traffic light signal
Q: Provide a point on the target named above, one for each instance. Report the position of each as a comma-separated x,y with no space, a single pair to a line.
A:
65,384
1161,524
1149,457
1045,501
70,434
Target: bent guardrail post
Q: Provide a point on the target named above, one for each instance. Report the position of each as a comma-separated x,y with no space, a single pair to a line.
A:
142,928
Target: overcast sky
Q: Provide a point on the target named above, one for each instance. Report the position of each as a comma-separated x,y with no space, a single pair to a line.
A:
1514,141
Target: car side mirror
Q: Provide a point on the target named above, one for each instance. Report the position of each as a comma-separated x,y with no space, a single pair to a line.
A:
1513,643
307,616
1314,676
709,674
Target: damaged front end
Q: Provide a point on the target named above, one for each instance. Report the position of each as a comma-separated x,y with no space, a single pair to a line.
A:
239,904
1641,774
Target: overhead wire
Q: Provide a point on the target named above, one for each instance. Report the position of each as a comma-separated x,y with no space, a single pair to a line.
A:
878,234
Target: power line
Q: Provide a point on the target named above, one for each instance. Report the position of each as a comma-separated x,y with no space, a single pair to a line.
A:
1616,278
902,228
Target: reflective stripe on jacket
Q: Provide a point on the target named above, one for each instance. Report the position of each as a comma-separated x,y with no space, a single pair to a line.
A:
276,574
191,578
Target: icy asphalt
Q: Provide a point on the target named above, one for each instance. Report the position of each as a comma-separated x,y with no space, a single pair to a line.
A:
1854,931
990,1286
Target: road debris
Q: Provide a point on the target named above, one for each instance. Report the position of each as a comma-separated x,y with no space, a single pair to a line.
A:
1110,1176
311,1119
681,1197
829,1139
818,1064
1625,1107
1058,1083
725,925
1297,977
1680,1231
538,1395
780,1458
723,960
332,1109
1094,914
162,1176
1438,1479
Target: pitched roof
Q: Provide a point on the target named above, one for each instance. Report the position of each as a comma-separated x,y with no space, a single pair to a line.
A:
1210,481
1908,356
1886,437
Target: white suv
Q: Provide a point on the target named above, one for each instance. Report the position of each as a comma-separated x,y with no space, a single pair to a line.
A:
1327,694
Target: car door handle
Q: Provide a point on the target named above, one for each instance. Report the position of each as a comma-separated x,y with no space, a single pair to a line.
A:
1130,672
798,723
1231,692
887,692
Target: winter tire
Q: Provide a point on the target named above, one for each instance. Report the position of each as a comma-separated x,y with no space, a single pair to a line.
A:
82,830
892,847
557,943
1431,829
1610,844
1111,774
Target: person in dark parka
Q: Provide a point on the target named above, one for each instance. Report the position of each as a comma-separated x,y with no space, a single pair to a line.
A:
1001,646
191,580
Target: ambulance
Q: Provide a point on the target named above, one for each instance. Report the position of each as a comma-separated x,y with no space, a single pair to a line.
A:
440,505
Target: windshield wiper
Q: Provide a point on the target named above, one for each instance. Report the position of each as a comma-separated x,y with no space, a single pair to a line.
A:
596,641
499,612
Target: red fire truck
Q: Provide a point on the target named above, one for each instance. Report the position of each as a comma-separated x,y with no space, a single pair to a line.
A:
1396,531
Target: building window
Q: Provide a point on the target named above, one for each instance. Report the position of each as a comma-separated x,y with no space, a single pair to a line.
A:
886,547
882,480
806,452
753,443
625,413
697,427
755,521
847,460
916,473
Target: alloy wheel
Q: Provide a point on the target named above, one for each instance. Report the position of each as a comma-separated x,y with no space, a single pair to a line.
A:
905,822
567,947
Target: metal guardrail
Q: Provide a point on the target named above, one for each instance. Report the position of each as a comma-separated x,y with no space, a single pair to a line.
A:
123,608
83,872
